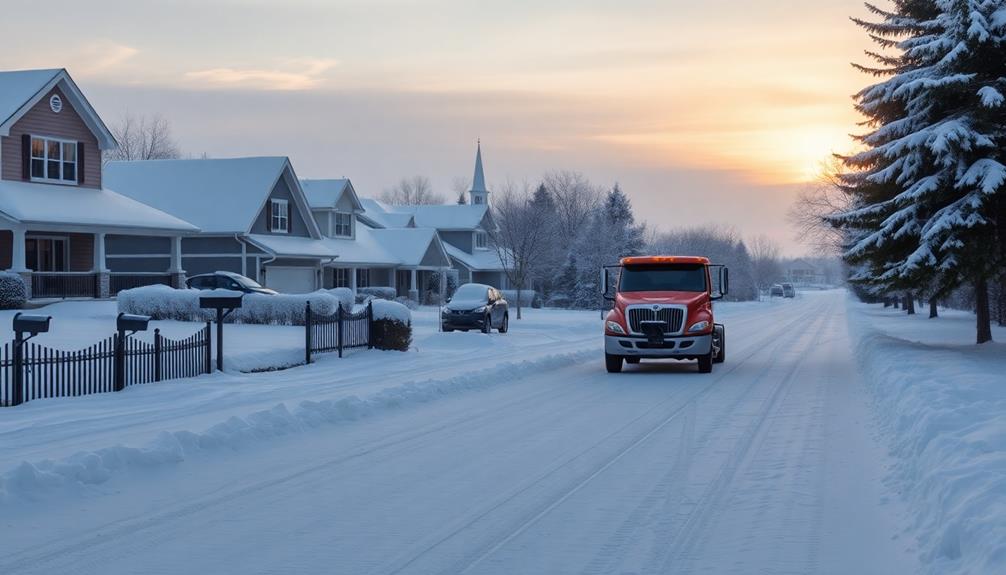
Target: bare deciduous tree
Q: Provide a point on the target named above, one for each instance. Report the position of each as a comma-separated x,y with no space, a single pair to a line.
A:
143,138
414,191
766,264
815,203
576,200
524,236
460,186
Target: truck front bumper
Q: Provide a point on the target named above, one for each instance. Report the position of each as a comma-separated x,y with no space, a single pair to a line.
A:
674,347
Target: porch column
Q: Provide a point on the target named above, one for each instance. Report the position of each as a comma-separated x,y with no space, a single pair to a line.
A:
413,288
175,271
17,260
102,276
352,280
443,286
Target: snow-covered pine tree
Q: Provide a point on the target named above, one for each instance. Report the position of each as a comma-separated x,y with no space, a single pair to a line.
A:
938,144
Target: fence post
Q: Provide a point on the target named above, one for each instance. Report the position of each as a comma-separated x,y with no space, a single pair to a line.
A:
339,318
120,361
209,348
370,324
307,333
157,354
17,397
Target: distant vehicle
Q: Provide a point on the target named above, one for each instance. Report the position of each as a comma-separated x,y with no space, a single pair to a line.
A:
776,291
663,310
227,280
476,306
788,290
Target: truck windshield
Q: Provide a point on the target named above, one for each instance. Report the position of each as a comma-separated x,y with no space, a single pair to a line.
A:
677,277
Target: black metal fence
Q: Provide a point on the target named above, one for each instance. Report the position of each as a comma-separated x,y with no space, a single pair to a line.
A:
33,371
63,285
337,332
119,282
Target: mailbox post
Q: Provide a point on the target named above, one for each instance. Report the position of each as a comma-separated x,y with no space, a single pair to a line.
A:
31,325
220,303
125,322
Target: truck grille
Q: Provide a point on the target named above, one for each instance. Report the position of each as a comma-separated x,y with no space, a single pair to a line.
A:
672,317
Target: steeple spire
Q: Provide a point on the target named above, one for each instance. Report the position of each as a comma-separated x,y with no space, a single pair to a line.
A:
479,194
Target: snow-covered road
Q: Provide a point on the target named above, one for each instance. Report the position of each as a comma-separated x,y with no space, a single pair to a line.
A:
768,465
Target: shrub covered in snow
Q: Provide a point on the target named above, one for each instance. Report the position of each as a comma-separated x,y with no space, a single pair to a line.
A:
13,292
163,302
344,295
407,302
379,292
528,298
392,326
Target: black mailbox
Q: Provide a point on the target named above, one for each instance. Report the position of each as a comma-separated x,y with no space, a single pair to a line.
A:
131,322
220,302
31,324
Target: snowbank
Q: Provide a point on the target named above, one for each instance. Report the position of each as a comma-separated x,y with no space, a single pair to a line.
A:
163,302
29,482
943,406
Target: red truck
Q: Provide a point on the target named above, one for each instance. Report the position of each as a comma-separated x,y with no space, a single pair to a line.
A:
663,309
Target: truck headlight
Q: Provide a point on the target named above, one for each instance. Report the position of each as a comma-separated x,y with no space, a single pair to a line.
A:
699,326
615,327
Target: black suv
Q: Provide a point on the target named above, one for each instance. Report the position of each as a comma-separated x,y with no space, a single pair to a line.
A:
227,280
476,306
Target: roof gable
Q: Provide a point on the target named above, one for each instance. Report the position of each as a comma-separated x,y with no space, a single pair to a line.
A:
21,90
222,195
326,194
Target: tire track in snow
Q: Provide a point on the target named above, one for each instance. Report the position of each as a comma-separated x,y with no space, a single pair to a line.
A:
525,521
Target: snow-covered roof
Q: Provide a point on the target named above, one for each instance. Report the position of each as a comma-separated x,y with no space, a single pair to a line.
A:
292,246
36,203
220,195
388,247
441,217
481,260
22,89
327,193
479,179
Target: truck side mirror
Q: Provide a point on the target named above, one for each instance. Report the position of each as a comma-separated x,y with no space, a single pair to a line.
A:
604,285
724,281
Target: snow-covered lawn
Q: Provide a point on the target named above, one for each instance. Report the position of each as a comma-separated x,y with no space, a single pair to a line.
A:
941,401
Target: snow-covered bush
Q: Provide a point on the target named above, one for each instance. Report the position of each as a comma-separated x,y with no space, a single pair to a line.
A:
379,292
528,298
407,302
344,295
13,292
392,325
163,302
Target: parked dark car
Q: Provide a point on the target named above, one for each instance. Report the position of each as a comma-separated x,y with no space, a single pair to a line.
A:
476,306
776,291
227,280
788,290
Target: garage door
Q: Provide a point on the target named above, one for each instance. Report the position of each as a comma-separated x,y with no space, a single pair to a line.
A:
290,280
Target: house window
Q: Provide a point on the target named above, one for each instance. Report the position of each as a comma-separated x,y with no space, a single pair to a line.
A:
46,254
341,277
343,225
481,241
280,218
53,160
362,278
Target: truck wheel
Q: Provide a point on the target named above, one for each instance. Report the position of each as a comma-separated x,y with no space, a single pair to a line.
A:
613,363
706,363
632,360
721,336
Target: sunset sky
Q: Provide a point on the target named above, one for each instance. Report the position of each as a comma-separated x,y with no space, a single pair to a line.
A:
710,111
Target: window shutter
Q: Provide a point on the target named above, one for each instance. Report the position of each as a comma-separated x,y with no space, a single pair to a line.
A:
25,156
268,214
80,162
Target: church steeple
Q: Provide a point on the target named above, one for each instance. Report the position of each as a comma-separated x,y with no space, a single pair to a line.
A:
479,194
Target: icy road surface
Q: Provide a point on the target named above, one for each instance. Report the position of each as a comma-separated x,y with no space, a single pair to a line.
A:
768,465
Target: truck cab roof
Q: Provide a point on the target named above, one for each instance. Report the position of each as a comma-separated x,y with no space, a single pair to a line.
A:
659,260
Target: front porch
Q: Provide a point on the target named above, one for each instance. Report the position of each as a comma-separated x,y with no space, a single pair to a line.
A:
70,263
420,284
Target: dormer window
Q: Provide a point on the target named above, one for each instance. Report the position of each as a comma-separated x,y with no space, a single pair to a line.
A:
481,241
53,160
343,225
279,216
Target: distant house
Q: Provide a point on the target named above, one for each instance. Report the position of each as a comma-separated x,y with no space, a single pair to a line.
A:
57,218
400,256
803,273
465,230
253,216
